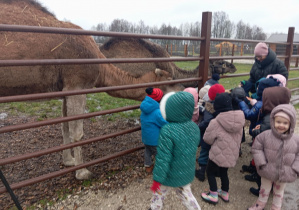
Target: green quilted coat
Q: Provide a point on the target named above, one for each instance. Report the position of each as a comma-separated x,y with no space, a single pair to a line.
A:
178,141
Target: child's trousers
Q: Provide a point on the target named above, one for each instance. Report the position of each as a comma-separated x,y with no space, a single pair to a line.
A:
278,191
149,151
183,193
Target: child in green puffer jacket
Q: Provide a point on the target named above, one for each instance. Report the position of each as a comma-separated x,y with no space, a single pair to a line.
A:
176,151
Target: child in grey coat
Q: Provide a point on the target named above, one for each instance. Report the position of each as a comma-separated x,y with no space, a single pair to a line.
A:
276,156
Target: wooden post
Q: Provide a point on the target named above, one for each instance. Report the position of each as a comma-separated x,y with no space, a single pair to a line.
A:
233,52
242,46
289,48
220,50
296,65
171,50
186,50
206,24
167,47
193,51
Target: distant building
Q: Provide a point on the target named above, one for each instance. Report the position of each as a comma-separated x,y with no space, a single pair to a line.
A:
280,49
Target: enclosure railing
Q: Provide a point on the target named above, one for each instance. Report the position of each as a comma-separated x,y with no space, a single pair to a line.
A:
203,60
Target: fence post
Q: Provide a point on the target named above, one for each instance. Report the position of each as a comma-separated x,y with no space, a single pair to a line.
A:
186,50
171,50
289,48
205,47
233,53
296,65
241,50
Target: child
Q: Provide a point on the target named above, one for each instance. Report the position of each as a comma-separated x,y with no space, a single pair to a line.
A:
203,97
151,122
214,80
207,117
272,97
176,152
276,156
194,92
224,133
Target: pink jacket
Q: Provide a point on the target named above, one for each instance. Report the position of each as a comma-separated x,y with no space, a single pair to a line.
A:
224,133
276,156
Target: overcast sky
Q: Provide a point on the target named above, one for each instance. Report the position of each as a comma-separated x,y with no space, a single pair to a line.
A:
271,15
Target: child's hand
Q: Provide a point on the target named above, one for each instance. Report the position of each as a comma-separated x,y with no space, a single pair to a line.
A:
257,127
155,186
252,101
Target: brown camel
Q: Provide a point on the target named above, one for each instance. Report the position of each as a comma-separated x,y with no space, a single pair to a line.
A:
139,48
49,78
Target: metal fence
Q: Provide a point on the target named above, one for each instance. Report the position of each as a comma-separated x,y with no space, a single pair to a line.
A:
203,59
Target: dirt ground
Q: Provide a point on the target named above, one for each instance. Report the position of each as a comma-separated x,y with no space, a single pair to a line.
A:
118,184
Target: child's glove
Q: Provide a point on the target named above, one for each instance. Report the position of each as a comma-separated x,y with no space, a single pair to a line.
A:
253,102
155,186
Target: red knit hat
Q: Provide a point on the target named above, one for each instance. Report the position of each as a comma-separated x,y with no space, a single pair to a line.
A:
261,49
154,93
214,89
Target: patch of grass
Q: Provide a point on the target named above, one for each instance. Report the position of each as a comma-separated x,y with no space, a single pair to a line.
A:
52,109
87,183
102,101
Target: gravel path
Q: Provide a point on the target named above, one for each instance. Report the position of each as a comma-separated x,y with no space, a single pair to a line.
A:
137,195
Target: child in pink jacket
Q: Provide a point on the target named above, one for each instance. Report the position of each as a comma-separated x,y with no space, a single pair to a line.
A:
224,134
276,156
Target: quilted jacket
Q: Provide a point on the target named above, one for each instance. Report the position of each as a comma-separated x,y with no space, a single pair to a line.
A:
178,141
276,155
224,133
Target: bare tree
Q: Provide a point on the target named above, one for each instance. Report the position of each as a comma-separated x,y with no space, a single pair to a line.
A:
258,33
240,30
220,22
100,27
119,25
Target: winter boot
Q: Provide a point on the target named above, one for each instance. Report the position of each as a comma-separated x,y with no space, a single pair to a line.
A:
255,191
223,195
149,169
250,169
258,206
210,197
200,173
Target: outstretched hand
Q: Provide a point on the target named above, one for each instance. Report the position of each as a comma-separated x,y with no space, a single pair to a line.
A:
155,186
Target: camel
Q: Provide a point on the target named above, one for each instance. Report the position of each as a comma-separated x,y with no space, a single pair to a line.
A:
139,48
49,78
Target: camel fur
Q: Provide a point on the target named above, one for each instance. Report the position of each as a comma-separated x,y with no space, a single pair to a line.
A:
48,78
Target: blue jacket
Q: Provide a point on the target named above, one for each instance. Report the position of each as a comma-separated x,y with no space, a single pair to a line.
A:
151,121
251,114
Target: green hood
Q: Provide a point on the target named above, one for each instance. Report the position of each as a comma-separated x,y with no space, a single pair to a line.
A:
177,107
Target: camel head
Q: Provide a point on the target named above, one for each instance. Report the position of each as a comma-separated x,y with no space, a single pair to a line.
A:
221,67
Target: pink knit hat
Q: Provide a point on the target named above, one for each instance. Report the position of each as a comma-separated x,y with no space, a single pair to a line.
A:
282,114
280,78
261,49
